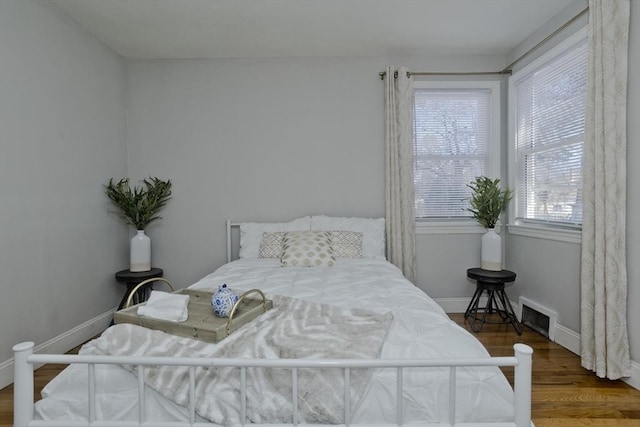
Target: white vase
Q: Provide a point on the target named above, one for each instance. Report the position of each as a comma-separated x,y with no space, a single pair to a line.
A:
491,253
140,254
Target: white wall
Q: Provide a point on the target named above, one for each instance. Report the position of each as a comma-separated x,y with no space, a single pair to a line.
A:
272,140
62,135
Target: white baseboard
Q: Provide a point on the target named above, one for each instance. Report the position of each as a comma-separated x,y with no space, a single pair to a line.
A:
62,343
634,379
460,304
567,338
571,341
453,305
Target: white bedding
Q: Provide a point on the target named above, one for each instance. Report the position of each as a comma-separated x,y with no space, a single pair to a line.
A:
420,329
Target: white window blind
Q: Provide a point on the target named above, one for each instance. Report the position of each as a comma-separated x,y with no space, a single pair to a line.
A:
451,148
549,126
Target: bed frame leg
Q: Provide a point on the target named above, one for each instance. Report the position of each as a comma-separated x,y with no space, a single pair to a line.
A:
22,384
522,385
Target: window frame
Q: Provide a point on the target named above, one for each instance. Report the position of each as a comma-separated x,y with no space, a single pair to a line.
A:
493,167
541,230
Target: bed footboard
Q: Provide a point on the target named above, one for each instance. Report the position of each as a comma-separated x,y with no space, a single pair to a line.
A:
25,360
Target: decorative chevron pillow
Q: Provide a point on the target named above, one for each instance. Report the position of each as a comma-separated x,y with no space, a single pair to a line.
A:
307,249
346,244
271,244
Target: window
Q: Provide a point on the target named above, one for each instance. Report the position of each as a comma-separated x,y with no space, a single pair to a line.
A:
547,106
456,139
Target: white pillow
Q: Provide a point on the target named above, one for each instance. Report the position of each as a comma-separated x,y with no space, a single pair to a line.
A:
307,249
372,229
251,233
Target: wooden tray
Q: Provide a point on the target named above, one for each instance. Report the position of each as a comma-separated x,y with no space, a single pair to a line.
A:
201,324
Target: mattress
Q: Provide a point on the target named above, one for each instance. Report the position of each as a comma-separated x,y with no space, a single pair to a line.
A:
419,329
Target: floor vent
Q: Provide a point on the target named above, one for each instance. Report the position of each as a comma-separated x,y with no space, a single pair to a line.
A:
535,320
538,318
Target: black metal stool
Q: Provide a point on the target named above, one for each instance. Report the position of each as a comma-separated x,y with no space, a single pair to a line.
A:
492,282
132,279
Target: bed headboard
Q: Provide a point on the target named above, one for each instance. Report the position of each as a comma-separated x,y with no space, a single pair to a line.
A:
372,230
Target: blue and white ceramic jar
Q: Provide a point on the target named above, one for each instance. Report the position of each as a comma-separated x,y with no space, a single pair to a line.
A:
223,301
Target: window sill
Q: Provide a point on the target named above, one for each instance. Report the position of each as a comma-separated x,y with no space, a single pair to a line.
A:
451,227
548,233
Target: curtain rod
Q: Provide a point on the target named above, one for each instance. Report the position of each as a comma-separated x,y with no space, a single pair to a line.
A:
546,39
506,70
446,73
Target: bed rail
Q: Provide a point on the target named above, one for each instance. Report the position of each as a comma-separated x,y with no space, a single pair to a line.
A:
230,225
25,360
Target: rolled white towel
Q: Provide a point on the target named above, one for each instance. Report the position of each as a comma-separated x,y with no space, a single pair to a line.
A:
166,306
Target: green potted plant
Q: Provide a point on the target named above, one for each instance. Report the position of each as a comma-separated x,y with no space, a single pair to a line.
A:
139,206
488,201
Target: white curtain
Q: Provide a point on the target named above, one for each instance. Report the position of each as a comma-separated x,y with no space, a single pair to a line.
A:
399,199
604,340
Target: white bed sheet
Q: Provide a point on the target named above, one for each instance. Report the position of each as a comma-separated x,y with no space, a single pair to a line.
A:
420,329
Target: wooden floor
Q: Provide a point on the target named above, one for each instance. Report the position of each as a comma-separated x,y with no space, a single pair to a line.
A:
564,394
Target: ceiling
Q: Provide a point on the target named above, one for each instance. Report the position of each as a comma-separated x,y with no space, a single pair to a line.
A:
308,28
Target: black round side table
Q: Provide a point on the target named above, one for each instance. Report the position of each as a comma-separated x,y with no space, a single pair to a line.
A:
493,283
132,279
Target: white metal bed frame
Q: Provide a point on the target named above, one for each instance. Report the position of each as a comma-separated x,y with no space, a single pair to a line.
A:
230,224
25,362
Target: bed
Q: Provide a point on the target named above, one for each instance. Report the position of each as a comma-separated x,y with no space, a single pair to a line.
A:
349,342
